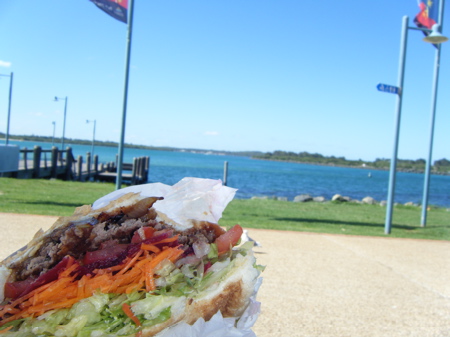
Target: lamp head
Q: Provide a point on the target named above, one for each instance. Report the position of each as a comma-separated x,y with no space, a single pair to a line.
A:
435,36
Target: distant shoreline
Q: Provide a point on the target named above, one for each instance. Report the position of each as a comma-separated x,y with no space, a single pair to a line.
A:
251,154
357,167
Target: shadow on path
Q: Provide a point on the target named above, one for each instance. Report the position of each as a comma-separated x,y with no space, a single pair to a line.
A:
346,223
52,203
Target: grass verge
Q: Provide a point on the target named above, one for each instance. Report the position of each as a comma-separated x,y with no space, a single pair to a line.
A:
48,197
337,218
55,197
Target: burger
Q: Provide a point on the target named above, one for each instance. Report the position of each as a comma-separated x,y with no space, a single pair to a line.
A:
142,261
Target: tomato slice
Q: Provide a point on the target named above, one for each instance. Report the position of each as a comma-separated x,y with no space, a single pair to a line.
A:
20,288
142,234
229,239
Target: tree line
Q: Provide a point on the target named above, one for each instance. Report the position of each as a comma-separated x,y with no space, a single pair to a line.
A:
439,166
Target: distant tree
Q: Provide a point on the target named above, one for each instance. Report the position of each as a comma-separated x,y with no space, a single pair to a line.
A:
442,163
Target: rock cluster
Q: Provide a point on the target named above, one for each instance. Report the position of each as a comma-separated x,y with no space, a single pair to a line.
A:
336,198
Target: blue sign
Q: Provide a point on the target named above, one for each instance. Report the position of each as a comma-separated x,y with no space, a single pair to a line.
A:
388,88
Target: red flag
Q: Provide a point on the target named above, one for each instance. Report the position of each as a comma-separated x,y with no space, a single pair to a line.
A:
116,8
428,15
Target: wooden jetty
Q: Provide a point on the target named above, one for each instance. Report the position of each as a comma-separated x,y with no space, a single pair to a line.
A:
60,164
139,171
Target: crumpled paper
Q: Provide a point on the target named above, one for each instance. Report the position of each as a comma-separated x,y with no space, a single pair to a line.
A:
204,200
189,199
146,190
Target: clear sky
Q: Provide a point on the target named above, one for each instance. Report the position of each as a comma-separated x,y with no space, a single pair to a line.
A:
232,75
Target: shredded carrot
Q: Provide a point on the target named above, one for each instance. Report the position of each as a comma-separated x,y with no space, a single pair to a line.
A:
151,248
81,287
149,280
111,269
69,270
127,310
135,274
170,254
130,263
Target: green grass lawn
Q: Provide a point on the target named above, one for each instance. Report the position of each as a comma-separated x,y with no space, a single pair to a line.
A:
48,197
337,218
55,197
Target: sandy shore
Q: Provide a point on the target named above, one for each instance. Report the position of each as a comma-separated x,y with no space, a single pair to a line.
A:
330,285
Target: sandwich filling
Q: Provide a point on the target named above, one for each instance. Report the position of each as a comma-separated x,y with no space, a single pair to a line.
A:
115,274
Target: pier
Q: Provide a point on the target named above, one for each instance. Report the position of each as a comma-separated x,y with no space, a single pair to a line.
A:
38,163
139,171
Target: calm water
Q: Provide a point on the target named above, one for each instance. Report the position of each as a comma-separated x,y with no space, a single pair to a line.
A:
266,178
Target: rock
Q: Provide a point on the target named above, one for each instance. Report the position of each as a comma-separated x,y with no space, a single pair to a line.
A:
383,203
410,203
319,199
282,198
303,198
369,200
338,197
260,198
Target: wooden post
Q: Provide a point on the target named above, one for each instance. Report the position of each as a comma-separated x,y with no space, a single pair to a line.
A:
134,171
54,162
36,161
45,159
143,164
69,161
147,167
225,173
79,167
95,166
142,170
25,158
88,164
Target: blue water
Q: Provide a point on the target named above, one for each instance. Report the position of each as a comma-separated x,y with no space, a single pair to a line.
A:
268,178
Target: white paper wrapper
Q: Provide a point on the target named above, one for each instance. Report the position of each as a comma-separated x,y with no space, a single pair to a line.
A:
189,199
204,200
146,190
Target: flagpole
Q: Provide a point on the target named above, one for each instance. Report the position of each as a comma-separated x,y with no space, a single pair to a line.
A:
423,218
125,95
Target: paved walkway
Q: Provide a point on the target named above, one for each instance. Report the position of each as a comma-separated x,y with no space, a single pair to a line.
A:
330,285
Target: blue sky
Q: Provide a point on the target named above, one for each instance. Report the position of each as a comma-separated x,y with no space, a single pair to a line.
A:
226,75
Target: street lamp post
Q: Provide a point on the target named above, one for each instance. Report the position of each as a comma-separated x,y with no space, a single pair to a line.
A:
436,38
393,167
53,137
9,106
125,95
64,122
93,136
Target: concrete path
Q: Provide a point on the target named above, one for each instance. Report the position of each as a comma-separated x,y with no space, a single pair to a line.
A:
330,285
